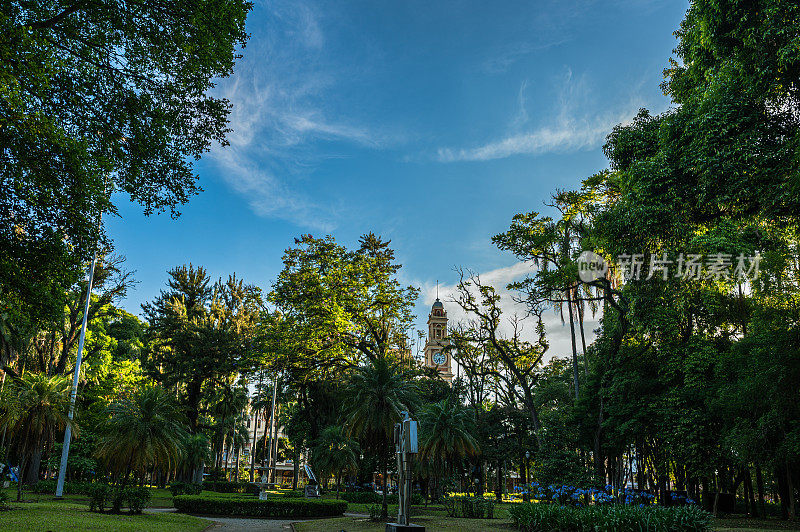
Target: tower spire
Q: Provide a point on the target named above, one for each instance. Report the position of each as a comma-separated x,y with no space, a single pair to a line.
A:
437,289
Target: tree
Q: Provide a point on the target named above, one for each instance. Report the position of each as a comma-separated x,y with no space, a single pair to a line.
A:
377,394
34,408
516,359
100,96
335,454
344,303
200,333
145,428
446,428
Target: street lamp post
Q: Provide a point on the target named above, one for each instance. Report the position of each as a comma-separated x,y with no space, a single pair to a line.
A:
62,471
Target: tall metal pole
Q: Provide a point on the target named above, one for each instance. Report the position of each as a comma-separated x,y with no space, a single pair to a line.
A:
62,471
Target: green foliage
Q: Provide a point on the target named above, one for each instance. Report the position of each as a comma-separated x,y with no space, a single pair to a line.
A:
201,331
48,487
185,488
100,496
145,427
469,507
375,512
535,517
270,509
136,498
33,408
94,101
4,500
223,486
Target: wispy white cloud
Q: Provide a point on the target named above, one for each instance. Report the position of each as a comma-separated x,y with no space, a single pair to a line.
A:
557,331
280,111
571,129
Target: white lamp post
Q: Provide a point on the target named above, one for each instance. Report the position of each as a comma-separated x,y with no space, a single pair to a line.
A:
62,471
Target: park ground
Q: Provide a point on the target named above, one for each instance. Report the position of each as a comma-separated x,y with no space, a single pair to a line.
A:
42,512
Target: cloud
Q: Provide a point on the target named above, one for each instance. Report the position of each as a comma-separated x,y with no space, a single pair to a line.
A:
557,332
567,131
281,116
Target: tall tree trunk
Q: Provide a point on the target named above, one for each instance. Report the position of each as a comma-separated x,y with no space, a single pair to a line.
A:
581,310
255,430
790,490
749,495
34,465
385,504
296,469
574,347
760,486
271,471
498,490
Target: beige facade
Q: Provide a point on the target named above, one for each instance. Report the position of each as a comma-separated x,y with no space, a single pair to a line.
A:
435,356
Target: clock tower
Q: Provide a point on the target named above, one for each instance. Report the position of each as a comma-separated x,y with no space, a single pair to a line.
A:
437,339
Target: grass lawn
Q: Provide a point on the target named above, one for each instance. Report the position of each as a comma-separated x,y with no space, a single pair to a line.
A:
69,515
742,524
433,518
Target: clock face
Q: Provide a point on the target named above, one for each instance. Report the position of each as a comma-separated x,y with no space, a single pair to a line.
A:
439,358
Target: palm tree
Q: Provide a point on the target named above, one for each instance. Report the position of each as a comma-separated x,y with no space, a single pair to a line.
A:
377,394
446,429
34,408
195,455
146,428
335,454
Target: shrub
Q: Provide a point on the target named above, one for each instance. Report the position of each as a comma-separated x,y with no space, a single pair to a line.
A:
185,488
271,508
223,486
472,507
99,495
537,517
134,498
375,511
72,488
3,500
137,498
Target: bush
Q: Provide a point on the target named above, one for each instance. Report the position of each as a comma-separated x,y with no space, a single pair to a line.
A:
271,508
471,507
223,486
134,498
137,498
185,488
70,488
3,500
99,495
537,517
375,511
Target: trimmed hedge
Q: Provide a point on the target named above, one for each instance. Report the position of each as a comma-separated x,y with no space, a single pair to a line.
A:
271,508
223,486
539,517
185,488
70,487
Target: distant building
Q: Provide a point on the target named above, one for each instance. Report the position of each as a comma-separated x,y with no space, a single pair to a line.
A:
435,357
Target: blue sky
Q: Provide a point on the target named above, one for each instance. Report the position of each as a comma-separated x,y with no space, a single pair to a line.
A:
429,123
